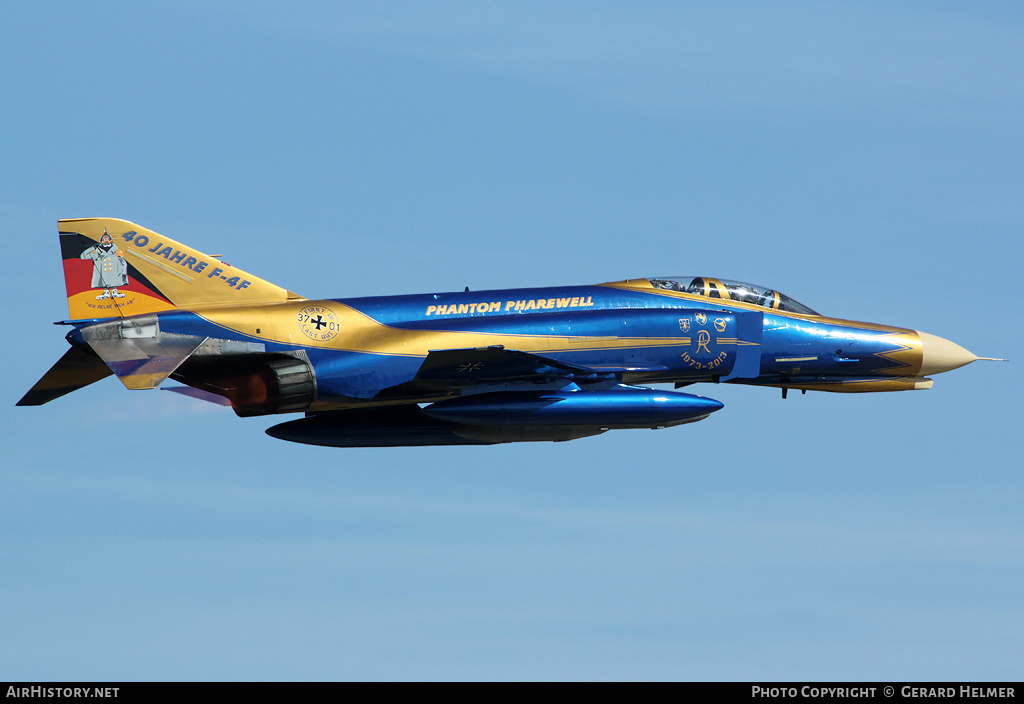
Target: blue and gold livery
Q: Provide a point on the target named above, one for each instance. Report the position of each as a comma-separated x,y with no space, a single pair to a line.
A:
463,368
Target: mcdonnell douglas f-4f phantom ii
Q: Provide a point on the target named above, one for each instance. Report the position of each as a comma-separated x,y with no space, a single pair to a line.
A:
465,368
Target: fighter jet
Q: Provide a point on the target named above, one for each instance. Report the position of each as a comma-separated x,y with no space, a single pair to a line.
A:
455,368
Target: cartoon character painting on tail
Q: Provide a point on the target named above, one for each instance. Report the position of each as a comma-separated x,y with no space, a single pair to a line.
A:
110,270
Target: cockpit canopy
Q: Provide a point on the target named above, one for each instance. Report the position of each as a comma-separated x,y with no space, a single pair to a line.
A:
725,289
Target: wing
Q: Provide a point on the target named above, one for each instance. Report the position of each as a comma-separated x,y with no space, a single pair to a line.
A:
489,365
446,371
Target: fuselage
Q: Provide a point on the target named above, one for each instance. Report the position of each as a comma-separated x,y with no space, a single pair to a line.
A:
363,349
470,367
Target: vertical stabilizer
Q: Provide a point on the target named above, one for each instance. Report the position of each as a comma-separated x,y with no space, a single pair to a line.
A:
115,268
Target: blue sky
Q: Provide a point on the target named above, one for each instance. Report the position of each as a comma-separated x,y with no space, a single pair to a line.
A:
864,158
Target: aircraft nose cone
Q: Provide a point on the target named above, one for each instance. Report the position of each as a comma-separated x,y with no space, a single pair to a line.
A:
940,355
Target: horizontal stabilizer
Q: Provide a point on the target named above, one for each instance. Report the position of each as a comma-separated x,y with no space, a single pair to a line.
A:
79,367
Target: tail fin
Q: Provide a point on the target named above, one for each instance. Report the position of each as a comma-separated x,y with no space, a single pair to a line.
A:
114,268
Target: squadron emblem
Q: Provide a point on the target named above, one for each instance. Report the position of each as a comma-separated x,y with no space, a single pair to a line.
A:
319,323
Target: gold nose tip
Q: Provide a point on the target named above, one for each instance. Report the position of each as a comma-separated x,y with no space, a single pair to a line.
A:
940,355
